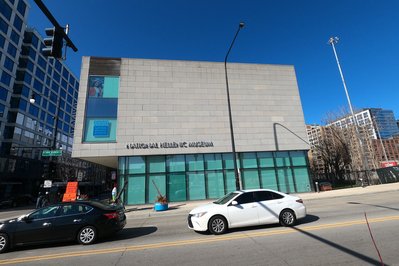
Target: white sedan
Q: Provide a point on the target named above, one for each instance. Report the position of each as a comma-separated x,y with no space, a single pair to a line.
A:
247,208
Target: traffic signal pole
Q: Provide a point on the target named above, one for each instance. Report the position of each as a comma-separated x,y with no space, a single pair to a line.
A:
58,29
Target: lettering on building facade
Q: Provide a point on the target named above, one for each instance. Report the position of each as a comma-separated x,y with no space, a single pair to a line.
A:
169,145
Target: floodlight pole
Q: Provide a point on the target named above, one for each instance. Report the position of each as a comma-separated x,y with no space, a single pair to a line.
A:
332,41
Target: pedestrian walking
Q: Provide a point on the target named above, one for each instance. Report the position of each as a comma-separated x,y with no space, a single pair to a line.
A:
45,200
39,200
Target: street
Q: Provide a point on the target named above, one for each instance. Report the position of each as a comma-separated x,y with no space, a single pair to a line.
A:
334,233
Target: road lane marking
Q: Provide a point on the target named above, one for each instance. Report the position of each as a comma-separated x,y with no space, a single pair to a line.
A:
211,239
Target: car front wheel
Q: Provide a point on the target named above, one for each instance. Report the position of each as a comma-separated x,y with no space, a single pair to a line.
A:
217,225
287,218
3,242
87,235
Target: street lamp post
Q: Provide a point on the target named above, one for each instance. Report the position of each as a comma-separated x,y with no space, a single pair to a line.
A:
233,147
52,162
333,41
32,100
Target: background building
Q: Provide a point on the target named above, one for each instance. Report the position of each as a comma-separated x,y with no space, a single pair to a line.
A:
28,128
377,129
166,122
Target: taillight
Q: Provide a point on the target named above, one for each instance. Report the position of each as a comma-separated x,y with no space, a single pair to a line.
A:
111,215
299,200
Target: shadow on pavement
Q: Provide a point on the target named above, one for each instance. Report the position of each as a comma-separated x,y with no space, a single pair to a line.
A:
373,205
129,233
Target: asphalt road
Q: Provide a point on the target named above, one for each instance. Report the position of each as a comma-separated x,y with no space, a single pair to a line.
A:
334,233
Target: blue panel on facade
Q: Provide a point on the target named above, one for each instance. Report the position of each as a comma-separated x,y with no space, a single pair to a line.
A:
101,129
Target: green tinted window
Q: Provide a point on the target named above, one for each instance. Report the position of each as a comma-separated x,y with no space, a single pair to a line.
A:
282,159
213,161
160,183
265,159
176,163
177,187
136,165
298,158
136,190
228,161
195,162
215,184
230,181
250,179
268,178
249,160
302,179
196,186
156,164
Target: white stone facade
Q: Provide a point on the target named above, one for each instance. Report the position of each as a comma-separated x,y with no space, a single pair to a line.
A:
185,101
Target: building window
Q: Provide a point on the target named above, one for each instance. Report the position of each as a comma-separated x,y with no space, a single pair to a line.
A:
6,78
18,23
12,50
3,26
9,64
21,7
6,10
3,94
14,37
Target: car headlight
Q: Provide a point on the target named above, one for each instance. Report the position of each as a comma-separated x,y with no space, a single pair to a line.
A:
200,214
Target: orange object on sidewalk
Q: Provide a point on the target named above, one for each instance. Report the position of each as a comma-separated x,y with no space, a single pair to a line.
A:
70,192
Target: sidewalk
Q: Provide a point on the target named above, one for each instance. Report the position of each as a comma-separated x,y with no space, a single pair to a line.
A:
142,211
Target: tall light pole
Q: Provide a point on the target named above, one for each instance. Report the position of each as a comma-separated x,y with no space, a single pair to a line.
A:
32,100
333,41
233,146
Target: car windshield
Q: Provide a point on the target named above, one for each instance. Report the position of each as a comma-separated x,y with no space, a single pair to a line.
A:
226,198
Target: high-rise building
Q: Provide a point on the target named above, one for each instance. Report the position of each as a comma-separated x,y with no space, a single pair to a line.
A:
30,127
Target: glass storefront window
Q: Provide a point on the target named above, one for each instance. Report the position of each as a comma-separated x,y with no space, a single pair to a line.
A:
213,161
196,186
195,162
268,178
298,158
302,179
215,184
228,161
156,164
160,183
136,188
266,159
250,179
136,165
177,187
282,158
175,163
230,181
249,160
209,176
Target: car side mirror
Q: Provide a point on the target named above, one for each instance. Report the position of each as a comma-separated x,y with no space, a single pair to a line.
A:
24,218
234,203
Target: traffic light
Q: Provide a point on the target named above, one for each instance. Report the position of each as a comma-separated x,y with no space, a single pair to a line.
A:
45,171
53,43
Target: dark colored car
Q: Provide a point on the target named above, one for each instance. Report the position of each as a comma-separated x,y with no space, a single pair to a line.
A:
84,221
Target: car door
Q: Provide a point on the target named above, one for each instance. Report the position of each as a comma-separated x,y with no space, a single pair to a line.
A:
245,212
70,220
38,226
270,206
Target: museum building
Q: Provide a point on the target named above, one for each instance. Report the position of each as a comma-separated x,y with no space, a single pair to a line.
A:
164,124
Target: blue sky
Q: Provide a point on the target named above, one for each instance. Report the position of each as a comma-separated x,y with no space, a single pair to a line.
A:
289,32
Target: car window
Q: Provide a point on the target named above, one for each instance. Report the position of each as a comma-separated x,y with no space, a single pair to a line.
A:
226,198
247,197
72,209
276,195
263,195
47,212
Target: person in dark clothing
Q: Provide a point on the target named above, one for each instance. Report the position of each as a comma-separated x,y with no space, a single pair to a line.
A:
39,201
